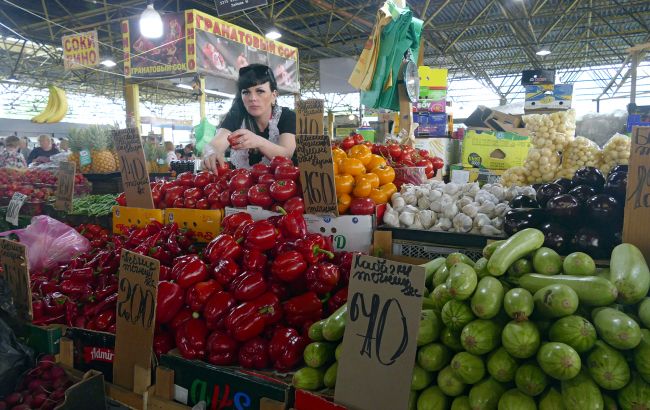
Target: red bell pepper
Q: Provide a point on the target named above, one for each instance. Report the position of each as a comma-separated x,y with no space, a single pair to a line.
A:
294,204
199,293
222,349
223,246
217,308
181,317
248,286
337,300
262,236
191,338
254,354
38,309
292,225
303,308
172,246
279,289
225,270
313,248
288,266
188,270
344,261
165,273
230,223
269,305
286,348
172,194
163,342
322,278
254,260
104,319
169,301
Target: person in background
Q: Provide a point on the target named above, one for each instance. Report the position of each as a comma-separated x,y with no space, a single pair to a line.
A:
44,151
64,145
11,156
188,152
24,147
2,145
256,128
171,152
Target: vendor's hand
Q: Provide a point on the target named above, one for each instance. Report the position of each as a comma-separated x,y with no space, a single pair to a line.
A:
245,139
212,160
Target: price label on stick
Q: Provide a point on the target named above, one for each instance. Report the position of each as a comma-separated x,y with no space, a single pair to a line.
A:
133,168
13,260
380,341
65,186
13,209
637,203
136,319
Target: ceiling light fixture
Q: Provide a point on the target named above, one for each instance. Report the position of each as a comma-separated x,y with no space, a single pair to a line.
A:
352,117
184,86
108,63
220,94
273,34
11,79
543,52
151,25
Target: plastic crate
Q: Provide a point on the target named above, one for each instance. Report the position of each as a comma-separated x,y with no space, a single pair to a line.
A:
430,252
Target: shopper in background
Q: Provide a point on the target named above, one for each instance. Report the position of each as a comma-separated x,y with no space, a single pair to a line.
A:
171,153
24,147
2,145
64,145
188,152
256,128
11,156
44,151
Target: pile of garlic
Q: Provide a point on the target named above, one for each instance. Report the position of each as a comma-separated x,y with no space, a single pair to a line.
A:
553,131
462,208
579,153
615,151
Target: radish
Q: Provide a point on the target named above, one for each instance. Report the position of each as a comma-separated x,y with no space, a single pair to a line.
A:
46,361
56,372
14,399
39,399
3,405
21,407
58,394
35,385
28,400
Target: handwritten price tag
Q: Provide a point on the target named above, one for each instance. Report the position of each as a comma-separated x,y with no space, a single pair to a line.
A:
380,341
136,317
13,260
65,186
13,210
637,203
133,168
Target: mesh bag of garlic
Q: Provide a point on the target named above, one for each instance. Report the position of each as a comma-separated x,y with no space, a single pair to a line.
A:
541,165
553,131
615,151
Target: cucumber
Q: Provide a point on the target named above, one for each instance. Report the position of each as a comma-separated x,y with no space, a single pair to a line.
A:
547,262
579,264
591,290
629,273
319,354
430,268
516,247
334,326
309,378
457,257
491,247
329,379
337,351
616,328
315,332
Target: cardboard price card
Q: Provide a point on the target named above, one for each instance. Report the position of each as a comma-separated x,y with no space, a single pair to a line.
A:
380,341
309,117
133,167
13,260
65,186
136,318
13,209
637,203
314,154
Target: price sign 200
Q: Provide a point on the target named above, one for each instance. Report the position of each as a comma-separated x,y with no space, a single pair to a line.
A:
138,304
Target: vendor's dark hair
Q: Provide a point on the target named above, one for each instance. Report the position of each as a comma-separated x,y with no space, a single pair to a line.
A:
250,76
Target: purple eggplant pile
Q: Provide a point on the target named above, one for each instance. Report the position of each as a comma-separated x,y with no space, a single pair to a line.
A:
582,214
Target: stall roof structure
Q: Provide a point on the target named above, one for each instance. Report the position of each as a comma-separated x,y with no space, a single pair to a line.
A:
482,39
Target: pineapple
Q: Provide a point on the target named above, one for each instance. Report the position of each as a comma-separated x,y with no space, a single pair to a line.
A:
79,141
103,160
152,153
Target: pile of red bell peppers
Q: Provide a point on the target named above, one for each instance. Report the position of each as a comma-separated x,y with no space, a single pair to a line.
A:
83,292
252,294
268,186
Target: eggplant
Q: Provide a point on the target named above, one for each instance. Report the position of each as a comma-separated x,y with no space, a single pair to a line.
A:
556,237
517,219
564,207
565,183
590,176
603,209
582,193
593,242
618,168
548,191
523,201
616,184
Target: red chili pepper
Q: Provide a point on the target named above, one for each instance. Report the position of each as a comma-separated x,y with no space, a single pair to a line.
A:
337,300
247,286
163,342
81,275
254,260
188,270
223,246
48,320
191,338
154,227
222,349
181,317
104,319
230,223
216,309
262,236
225,270
286,348
322,278
254,354
292,225
111,264
199,293
160,253
137,237
121,199
38,309
169,301
313,248
288,266
303,308
109,302
71,312
74,289
172,245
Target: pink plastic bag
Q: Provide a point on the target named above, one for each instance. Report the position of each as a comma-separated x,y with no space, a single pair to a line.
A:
49,242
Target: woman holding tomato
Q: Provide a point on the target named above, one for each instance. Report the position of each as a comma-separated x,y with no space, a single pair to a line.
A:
256,129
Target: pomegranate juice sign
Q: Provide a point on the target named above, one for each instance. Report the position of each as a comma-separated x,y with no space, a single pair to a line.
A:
80,50
230,6
380,341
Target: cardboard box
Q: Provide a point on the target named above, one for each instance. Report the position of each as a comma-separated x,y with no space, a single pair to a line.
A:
548,96
463,175
205,223
534,77
124,217
430,124
307,400
494,149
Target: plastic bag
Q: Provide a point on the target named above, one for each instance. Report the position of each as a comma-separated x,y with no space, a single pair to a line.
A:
49,242
15,358
203,133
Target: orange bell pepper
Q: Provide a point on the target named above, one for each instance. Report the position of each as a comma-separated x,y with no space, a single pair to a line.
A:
375,161
353,166
373,178
362,187
360,152
389,189
379,196
385,173
344,184
343,203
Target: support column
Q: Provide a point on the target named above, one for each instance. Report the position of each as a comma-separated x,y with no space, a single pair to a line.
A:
132,100
330,124
633,70
503,100
202,97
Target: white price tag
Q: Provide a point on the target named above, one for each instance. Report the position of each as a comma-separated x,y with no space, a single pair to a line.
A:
13,210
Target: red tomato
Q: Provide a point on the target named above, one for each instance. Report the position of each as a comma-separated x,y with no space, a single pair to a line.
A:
428,167
423,153
242,179
239,198
395,151
259,195
358,138
437,163
347,143
287,171
283,190
362,206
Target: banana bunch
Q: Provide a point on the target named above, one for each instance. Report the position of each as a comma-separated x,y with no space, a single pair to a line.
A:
57,107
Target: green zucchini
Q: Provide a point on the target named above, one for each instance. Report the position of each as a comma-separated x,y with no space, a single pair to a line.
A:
315,332
430,268
309,378
457,257
319,354
491,247
334,326
629,273
337,351
330,375
591,290
517,246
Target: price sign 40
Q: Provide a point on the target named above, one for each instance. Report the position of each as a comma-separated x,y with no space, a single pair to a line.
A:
133,168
